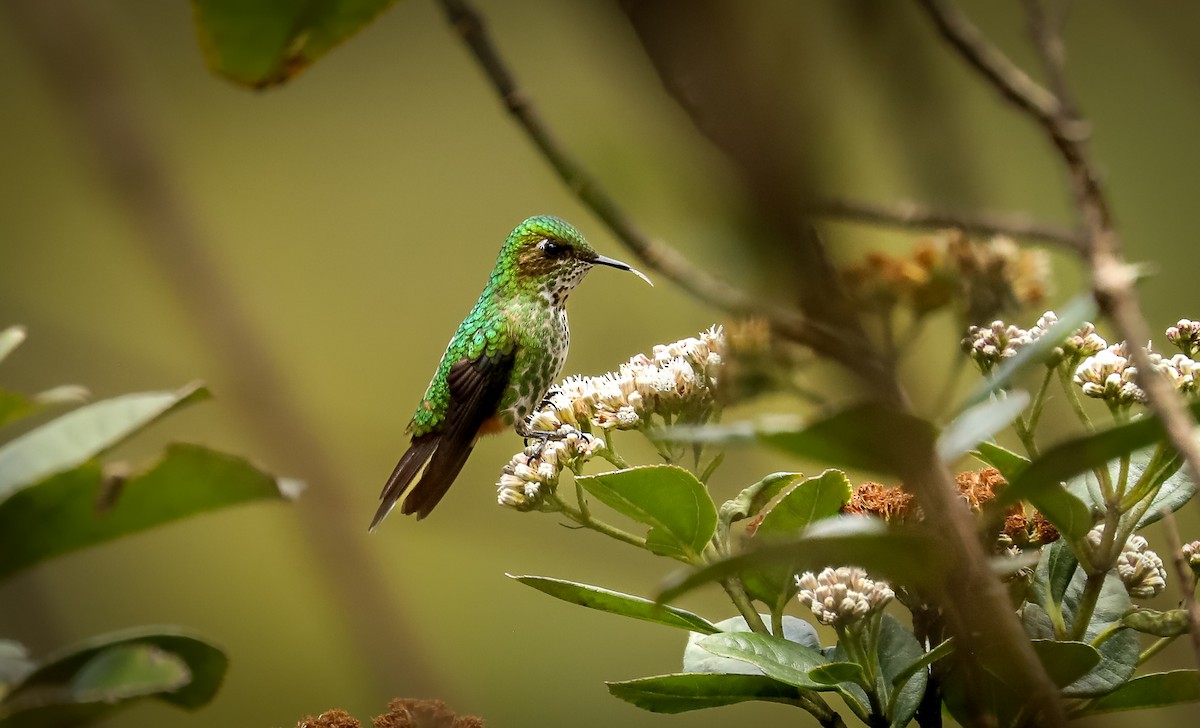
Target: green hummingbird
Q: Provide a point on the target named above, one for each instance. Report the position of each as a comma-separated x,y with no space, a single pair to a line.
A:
499,363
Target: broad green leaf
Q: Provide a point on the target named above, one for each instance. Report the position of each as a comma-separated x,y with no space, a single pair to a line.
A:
898,649
979,424
778,658
1118,653
605,600
1175,490
902,557
10,339
755,497
127,671
837,672
1007,462
262,43
669,499
695,691
1066,661
50,693
1054,572
852,693
1070,318
698,659
813,500
61,513
1155,690
1171,623
870,435
80,435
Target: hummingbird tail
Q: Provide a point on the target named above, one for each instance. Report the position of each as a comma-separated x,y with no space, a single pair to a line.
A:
447,461
408,467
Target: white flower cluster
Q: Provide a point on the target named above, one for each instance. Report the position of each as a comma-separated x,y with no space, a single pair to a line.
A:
1110,375
1140,569
842,596
679,380
1191,554
1185,335
534,472
989,345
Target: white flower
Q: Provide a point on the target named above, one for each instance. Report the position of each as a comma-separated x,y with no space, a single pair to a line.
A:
1180,369
1110,375
1141,569
1186,336
533,473
843,595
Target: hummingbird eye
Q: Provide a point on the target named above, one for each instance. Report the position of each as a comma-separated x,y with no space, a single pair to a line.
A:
553,249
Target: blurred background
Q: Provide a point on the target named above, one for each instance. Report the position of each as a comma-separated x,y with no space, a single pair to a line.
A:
343,224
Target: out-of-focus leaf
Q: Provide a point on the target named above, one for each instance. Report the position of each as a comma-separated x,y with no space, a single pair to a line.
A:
10,339
79,684
813,500
978,424
698,659
262,43
1177,487
669,499
1170,623
1070,318
898,649
870,435
1066,662
80,435
694,691
14,664
778,658
1007,462
60,514
1155,690
15,406
627,605
901,557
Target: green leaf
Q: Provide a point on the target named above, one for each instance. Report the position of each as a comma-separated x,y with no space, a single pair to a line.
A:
837,672
813,500
698,659
14,664
262,43
1066,661
15,406
754,498
1070,318
627,605
82,682
669,499
902,557
78,436
1007,462
10,339
1155,690
61,514
1055,569
1175,486
1118,653
1171,623
898,649
694,691
777,658
925,660
980,423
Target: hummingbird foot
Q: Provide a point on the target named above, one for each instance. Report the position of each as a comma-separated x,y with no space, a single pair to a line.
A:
526,431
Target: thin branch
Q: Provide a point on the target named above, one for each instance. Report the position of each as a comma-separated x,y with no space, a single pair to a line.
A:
655,255
917,216
1112,277
1046,30
1187,580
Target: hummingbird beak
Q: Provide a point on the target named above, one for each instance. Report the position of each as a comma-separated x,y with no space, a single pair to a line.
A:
614,263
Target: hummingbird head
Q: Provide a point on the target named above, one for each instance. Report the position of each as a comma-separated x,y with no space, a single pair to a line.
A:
549,256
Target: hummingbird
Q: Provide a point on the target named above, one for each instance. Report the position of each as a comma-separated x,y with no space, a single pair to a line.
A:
500,362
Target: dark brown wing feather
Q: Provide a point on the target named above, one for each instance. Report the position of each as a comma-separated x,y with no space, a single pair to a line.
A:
476,388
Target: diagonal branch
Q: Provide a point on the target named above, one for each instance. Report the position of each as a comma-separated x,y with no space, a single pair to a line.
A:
655,255
917,216
1112,277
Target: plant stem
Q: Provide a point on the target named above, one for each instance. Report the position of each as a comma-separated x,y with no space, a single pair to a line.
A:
737,594
588,521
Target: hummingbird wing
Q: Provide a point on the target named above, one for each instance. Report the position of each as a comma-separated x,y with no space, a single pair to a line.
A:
476,388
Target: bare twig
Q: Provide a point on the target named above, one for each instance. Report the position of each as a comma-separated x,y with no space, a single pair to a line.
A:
80,67
1187,580
1112,277
655,255
921,217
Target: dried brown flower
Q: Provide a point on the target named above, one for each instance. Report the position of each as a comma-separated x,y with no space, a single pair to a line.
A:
335,718
875,499
977,487
409,713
